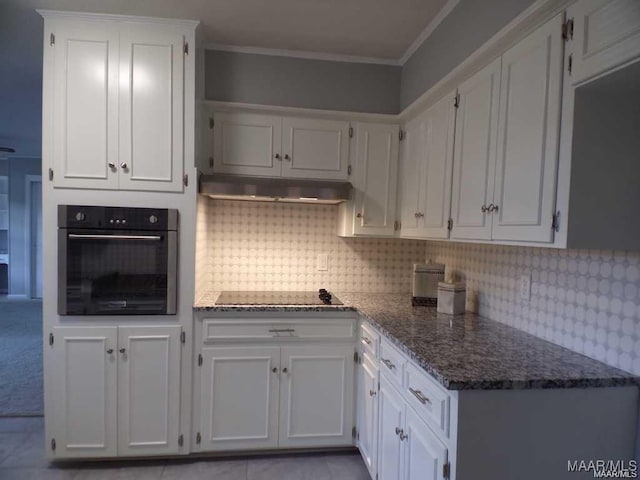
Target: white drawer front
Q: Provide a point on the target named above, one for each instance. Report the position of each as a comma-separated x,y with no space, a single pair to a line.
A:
392,362
369,339
224,330
428,399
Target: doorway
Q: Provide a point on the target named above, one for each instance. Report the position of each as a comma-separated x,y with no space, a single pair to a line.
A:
34,223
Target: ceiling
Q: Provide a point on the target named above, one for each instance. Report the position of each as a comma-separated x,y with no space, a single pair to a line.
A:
382,29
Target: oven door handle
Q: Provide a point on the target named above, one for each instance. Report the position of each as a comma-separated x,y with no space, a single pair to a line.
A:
77,236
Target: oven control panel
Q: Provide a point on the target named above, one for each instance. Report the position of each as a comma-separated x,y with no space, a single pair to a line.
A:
122,218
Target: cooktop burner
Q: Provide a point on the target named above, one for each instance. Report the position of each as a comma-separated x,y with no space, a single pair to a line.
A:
321,297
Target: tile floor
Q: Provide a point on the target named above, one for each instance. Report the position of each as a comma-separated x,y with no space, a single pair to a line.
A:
22,458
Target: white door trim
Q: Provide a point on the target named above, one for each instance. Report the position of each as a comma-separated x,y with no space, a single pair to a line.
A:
29,180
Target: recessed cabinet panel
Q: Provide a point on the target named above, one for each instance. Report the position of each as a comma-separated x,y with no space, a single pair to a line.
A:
85,139
475,152
377,159
315,148
247,144
606,33
316,396
149,398
368,413
83,399
239,397
392,407
151,109
413,154
528,137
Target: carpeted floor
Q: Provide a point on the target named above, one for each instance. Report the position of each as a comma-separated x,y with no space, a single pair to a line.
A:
21,358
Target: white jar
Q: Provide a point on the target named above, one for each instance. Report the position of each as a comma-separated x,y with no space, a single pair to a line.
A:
451,298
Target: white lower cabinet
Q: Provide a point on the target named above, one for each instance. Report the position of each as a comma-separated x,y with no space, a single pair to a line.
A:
239,397
425,456
367,420
391,420
116,391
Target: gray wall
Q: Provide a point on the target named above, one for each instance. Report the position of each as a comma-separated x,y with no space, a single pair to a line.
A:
297,82
469,25
19,254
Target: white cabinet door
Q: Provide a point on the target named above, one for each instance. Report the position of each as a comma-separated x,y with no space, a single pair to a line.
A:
392,407
315,149
247,144
149,390
424,454
435,202
377,165
84,391
528,136
239,398
84,122
367,407
412,164
606,34
151,109
316,396
475,154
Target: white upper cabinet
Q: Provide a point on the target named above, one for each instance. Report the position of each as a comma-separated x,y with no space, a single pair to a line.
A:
528,136
84,391
247,144
315,148
84,122
429,163
606,34
151,108
377,170
475,154
114,102
149,396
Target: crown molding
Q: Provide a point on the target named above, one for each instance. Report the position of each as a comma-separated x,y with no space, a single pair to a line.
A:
277,52
61,14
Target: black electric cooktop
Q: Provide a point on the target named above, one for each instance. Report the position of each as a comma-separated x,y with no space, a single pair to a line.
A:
321,297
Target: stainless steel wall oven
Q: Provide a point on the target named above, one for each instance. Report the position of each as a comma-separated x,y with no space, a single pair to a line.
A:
117,261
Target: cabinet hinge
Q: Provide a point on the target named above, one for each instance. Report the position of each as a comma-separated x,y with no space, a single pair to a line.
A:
456,100
555,221
446,470
567,29
52,39
53,444
183,337
353,433
210,162
349,170
358,436
198,438
401,135
570,63
450,224
211,123
186,48
355,357
180,440
50,174
51,339
350,132
199,359
185,180
396,225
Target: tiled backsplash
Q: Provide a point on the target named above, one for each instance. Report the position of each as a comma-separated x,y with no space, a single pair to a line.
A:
274,246
586,300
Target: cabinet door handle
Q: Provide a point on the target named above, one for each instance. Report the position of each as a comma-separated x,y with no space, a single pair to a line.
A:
388,363
372,393
366,340
122,350
112,165
287,157
284,370
358,215
403,436
278,157
419,215
123,165
276,331
418,394
483,209
274,370
493,208
110,351
399,431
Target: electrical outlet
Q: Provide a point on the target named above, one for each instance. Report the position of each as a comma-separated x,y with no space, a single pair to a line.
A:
525,287
322,262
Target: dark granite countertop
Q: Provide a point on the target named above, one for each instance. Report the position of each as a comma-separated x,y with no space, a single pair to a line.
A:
464,352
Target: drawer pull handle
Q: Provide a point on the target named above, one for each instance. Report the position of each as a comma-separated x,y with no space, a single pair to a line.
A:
418,394
366,340
388,363
372,393
276,331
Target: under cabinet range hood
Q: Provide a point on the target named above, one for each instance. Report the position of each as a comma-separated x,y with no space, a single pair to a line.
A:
232,187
